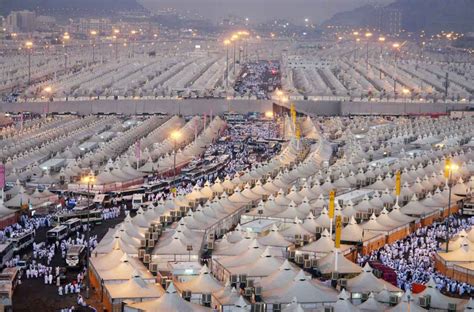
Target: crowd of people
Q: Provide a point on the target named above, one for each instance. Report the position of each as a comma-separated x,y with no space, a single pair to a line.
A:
412,258
258,79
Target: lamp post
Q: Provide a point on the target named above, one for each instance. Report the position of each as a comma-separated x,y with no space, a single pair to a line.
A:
175,135
93,34
29,47
66,38
89,179
226,73
367,36
132,35
381,40
449,168
234,39
115,36
396,46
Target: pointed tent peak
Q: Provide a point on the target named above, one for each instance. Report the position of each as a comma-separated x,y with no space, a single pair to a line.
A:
285,266
238,228
310,216
367,268
274,228
431,283
296,220
373,217
343,295
325,233
396,206
352,221
266,253
241,303
292,204
470,304
124,258
324,211
463,233
254,244
171,289
204,270
414,198
300,277
294,300
384,211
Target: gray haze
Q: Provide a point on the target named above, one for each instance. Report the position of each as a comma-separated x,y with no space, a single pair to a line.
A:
262,10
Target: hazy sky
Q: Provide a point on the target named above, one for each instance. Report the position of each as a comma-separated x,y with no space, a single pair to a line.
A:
262,10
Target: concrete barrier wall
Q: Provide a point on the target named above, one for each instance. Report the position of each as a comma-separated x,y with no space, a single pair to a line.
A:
128,107
200,106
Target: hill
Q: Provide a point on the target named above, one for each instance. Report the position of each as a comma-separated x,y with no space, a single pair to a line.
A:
70,8
432,16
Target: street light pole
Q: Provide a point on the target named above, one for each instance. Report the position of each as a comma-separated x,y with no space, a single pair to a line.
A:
89,180
449,207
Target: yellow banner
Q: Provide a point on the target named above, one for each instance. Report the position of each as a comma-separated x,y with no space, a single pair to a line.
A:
298,132
332,196
338,231
398,183
447,167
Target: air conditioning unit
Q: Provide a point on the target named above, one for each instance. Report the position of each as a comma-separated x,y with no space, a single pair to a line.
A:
329,309
233,279
314,263
155,236
141,253
143,243
306,256
452,307
258,291
163,219
343,284
334,275
153,267
359,215
151,243
206,298
306,238
371,211
210,245
186,295
243,278
425,301
307,264
291,254
365,296
250,283
377,273
299,259
276,307
319,230
258,307
248,292
393,300
297,237
147,258
151,229
211,237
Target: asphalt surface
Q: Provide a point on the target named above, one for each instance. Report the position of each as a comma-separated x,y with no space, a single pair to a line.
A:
34,296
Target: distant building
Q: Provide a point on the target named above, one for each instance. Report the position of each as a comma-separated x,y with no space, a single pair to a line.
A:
102,25
21,21
45,23
390,20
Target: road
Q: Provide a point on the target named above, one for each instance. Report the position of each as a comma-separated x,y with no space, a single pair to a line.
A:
34,296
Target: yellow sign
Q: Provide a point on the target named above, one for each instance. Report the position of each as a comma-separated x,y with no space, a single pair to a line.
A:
338,231
298,132
332,196
398,183
447,167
